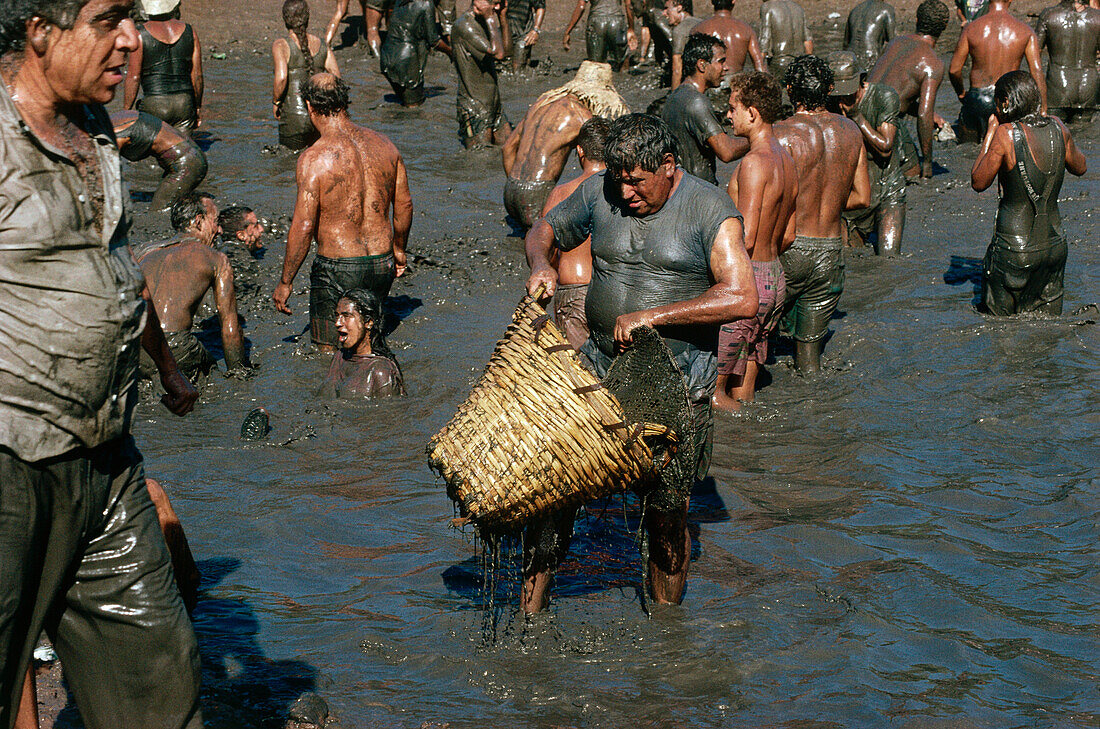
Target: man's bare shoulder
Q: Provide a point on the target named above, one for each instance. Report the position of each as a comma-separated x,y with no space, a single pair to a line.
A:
563,191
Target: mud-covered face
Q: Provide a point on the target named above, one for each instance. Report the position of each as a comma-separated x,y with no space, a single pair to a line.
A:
84,64
646,192
716,68
674,12
352,330
251,232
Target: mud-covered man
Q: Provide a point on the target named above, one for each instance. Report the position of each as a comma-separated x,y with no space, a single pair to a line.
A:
142,135
668,252
1070,31
870,26
82,553
831,160
995,43
738,37
240,226
525,23
575,266
875,110
179,272
700,138
479,39
348,182
537,150
765,188
682,24
911,67
410,37
784,34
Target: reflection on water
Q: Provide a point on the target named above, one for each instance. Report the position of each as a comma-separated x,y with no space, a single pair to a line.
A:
906,540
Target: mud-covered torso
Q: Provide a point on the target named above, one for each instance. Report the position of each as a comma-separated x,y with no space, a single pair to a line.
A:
879,106
783,28
477,76
869,26
1028,214
691,118
166,67
297,73
644,262
362,376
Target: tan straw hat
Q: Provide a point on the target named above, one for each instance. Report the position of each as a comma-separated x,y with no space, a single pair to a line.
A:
159,7
845,72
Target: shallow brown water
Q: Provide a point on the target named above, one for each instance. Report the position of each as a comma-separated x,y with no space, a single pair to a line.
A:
906,540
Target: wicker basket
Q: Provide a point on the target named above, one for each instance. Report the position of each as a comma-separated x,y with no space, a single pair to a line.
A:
538,433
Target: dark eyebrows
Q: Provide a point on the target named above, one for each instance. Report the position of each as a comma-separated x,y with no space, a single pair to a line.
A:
113,11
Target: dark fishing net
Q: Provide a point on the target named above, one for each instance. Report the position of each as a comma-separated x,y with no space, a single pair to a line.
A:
651,389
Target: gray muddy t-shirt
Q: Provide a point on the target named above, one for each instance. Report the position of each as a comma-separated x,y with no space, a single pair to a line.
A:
477,75
691,118
681,33
644,262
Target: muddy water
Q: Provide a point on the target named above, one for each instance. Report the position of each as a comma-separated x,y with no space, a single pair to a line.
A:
906,540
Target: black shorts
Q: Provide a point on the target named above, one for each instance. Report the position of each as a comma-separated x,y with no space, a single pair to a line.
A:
330,278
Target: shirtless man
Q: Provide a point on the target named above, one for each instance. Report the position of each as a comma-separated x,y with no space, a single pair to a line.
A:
911,67
784,34
871,25
179,272
348,181
479,39
699,136
537,150
995,43
140,135
832,177
575,267
1070,31
764,187
683,24
740,40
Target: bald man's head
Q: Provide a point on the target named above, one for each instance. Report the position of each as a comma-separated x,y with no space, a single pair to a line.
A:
326,94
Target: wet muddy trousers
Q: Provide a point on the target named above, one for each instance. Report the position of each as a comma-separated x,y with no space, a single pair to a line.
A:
82,556
1023,280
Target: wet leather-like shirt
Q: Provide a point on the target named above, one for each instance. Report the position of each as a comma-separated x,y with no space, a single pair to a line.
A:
644,262
691,118
363,376
879,106
477,75
71,312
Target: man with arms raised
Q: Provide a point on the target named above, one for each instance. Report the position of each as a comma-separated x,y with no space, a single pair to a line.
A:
699,136
1070,31
832,177
871,25
81,552
575,266
538,148
668,252
784,34
764,187
179,273
737,36
911,67
348,181
996,43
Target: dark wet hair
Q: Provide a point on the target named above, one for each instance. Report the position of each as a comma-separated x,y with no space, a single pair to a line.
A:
184,211
932,18
1015,97
296,19
232,219
637,140
722,5
593,136
367,305
809,80
14,15
700,47
759,91
326,97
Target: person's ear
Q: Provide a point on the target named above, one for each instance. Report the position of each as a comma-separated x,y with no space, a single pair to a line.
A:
670,164
38,33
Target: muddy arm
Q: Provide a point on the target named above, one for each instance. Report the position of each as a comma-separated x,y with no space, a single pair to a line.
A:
280,58
402,217
133,78
197,81
860,196
225,299
958,60
303,228
1033,54
337,16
